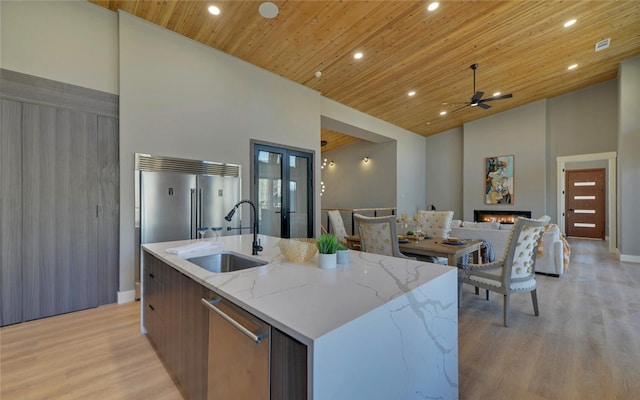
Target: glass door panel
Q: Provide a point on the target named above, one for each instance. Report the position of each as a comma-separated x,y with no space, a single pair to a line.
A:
283,191
269,204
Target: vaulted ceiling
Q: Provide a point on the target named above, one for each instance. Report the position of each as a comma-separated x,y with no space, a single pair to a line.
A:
521,47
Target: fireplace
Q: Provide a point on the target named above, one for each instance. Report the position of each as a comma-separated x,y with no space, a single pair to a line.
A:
502,216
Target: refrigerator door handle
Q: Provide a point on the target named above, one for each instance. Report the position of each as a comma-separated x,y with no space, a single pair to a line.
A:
194,220
200,207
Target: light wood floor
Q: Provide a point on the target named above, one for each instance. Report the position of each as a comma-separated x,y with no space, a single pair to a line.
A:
584,345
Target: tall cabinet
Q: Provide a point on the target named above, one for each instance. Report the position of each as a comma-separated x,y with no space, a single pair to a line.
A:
59,199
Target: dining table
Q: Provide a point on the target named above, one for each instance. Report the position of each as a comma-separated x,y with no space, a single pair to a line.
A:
431,246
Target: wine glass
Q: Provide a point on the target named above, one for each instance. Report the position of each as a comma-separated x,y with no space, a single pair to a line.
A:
216,231
202,231
418,233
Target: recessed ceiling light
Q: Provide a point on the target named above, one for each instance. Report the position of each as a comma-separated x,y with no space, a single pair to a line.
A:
412,93
214,10
433,6
443,113
569,23
357,55
318,74
268,10
572,66
496,94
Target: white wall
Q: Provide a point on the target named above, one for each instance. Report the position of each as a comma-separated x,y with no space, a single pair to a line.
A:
519,132
180,98
352,183
67,41
410,168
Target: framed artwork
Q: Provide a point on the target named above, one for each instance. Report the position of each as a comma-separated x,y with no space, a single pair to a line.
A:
499,180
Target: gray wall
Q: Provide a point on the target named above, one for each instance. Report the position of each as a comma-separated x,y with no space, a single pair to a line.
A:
445,160
352,183
629,160
519,132
580,122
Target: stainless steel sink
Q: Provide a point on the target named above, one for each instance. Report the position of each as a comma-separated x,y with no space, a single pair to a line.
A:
226,262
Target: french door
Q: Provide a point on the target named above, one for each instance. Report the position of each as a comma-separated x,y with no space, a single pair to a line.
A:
283,191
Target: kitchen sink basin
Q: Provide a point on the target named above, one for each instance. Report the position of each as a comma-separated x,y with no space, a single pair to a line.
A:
226,262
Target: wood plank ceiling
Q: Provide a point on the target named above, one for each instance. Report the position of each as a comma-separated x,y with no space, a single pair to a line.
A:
521,48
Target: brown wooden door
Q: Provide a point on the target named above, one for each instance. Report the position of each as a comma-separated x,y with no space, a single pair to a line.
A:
585,203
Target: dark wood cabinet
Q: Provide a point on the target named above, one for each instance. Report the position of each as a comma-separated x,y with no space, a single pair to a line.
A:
178,325
288,367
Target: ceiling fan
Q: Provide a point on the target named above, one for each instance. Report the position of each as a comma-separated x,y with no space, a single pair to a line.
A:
476,99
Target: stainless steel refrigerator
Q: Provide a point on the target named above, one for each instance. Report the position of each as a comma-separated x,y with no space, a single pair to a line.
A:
174,197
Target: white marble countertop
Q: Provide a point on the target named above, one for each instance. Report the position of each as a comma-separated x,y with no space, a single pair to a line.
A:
303,300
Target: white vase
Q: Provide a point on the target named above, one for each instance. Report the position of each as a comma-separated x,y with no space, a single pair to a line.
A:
342,256
328,261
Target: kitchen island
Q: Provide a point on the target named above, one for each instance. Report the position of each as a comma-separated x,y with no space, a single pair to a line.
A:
376,328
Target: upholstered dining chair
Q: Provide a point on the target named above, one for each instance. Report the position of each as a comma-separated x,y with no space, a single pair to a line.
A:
336,225
515,271
378,235
435,223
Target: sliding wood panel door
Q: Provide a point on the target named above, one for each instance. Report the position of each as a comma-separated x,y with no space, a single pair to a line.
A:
59,236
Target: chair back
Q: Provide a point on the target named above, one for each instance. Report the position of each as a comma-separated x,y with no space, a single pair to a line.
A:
435,223
337,225
521,250
378,235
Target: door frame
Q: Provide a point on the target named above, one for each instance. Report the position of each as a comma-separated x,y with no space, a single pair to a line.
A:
612,201
312,196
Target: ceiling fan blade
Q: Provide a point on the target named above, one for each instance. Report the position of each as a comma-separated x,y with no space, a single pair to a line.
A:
504,96
460,108
485,106
455,102
477,96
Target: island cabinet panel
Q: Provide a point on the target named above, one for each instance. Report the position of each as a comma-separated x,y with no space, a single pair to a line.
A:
177,324
153,301
288,367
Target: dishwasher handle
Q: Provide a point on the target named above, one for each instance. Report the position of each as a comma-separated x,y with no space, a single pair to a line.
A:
210,304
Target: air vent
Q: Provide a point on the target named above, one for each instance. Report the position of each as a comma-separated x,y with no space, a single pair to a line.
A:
603,44
145,162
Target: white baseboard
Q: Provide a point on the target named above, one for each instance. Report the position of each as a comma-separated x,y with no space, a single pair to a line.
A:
126,297
628,258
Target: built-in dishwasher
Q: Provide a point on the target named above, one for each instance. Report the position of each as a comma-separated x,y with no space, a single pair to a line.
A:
238,352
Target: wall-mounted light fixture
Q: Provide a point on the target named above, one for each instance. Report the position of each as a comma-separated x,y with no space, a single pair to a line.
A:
331,163
365,159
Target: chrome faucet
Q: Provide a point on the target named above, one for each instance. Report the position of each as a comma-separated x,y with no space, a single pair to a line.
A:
256,246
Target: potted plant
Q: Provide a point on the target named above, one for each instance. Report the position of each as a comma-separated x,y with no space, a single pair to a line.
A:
342,255
327,246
